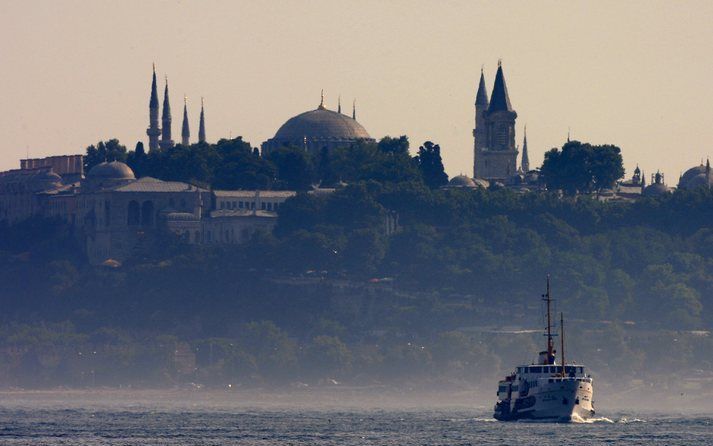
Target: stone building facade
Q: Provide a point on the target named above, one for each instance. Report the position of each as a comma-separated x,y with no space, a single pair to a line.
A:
116,214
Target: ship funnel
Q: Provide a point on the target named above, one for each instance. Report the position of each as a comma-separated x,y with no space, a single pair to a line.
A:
546,359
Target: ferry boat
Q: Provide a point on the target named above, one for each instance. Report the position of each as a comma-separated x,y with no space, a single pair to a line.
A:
546,391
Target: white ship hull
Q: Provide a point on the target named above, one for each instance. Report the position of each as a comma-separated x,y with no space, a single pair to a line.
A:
559,401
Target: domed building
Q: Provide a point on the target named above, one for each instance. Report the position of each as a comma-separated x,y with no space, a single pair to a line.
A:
461,181
657,186
464,182
695,177
317,129
108,175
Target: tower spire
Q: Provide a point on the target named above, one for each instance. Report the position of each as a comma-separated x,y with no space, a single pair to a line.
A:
321,101
153,131
201,125
185,131
339,104
166,140
354,110
481,98
500,100
525,162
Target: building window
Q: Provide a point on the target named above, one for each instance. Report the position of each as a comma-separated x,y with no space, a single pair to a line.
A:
133,213
107,213
147,213
269,206
240,204
263,206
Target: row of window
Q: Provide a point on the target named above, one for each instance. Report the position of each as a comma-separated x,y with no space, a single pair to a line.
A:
265,206
550,369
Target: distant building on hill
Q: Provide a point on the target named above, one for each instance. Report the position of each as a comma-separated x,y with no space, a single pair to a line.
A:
318,129
115,213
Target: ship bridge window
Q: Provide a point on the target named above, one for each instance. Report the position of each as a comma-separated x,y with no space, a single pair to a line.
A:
502,388
536,369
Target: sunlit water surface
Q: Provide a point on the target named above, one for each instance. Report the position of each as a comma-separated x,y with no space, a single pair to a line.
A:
143,426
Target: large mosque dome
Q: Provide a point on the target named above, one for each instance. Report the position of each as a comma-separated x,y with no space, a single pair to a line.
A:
318,129
322,124
695,177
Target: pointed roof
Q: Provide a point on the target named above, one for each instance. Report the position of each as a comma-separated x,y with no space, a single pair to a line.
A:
201,125
525,162
500,100
481,98
153,103
166,105
185,131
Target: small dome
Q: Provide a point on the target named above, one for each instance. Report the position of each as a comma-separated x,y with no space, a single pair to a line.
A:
655,189
700,180
461,181
690,174
320,124
114,170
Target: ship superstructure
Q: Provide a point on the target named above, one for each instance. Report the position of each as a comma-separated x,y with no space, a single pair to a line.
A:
546,390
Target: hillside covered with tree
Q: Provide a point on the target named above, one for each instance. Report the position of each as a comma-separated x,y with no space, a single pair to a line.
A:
330,296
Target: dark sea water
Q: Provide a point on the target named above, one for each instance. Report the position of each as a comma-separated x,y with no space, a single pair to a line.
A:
137,426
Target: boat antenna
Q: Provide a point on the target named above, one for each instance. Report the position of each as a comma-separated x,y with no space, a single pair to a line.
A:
562,340
550,347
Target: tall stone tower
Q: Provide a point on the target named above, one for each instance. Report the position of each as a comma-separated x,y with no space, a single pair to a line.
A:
495,151
185,130
166,141
153,131
201,125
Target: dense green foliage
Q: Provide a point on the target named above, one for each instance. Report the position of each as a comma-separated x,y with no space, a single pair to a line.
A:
234,164
582,167
304,303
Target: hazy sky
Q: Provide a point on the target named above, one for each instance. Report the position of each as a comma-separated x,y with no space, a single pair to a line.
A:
635,74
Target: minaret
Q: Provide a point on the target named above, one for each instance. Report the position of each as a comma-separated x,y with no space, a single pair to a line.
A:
201,126
354,110
339,104
185,131
525,162
480,131
166,141
153,131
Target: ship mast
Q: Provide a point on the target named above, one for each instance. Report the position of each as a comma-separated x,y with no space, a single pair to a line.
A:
550,347
562,341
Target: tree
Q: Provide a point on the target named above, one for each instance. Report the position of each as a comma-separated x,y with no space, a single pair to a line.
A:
138,160
294,168
111,150
431,166
582,167
398,145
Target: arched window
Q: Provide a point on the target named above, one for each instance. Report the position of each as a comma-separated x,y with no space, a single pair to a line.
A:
133,213
147,213
107,213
